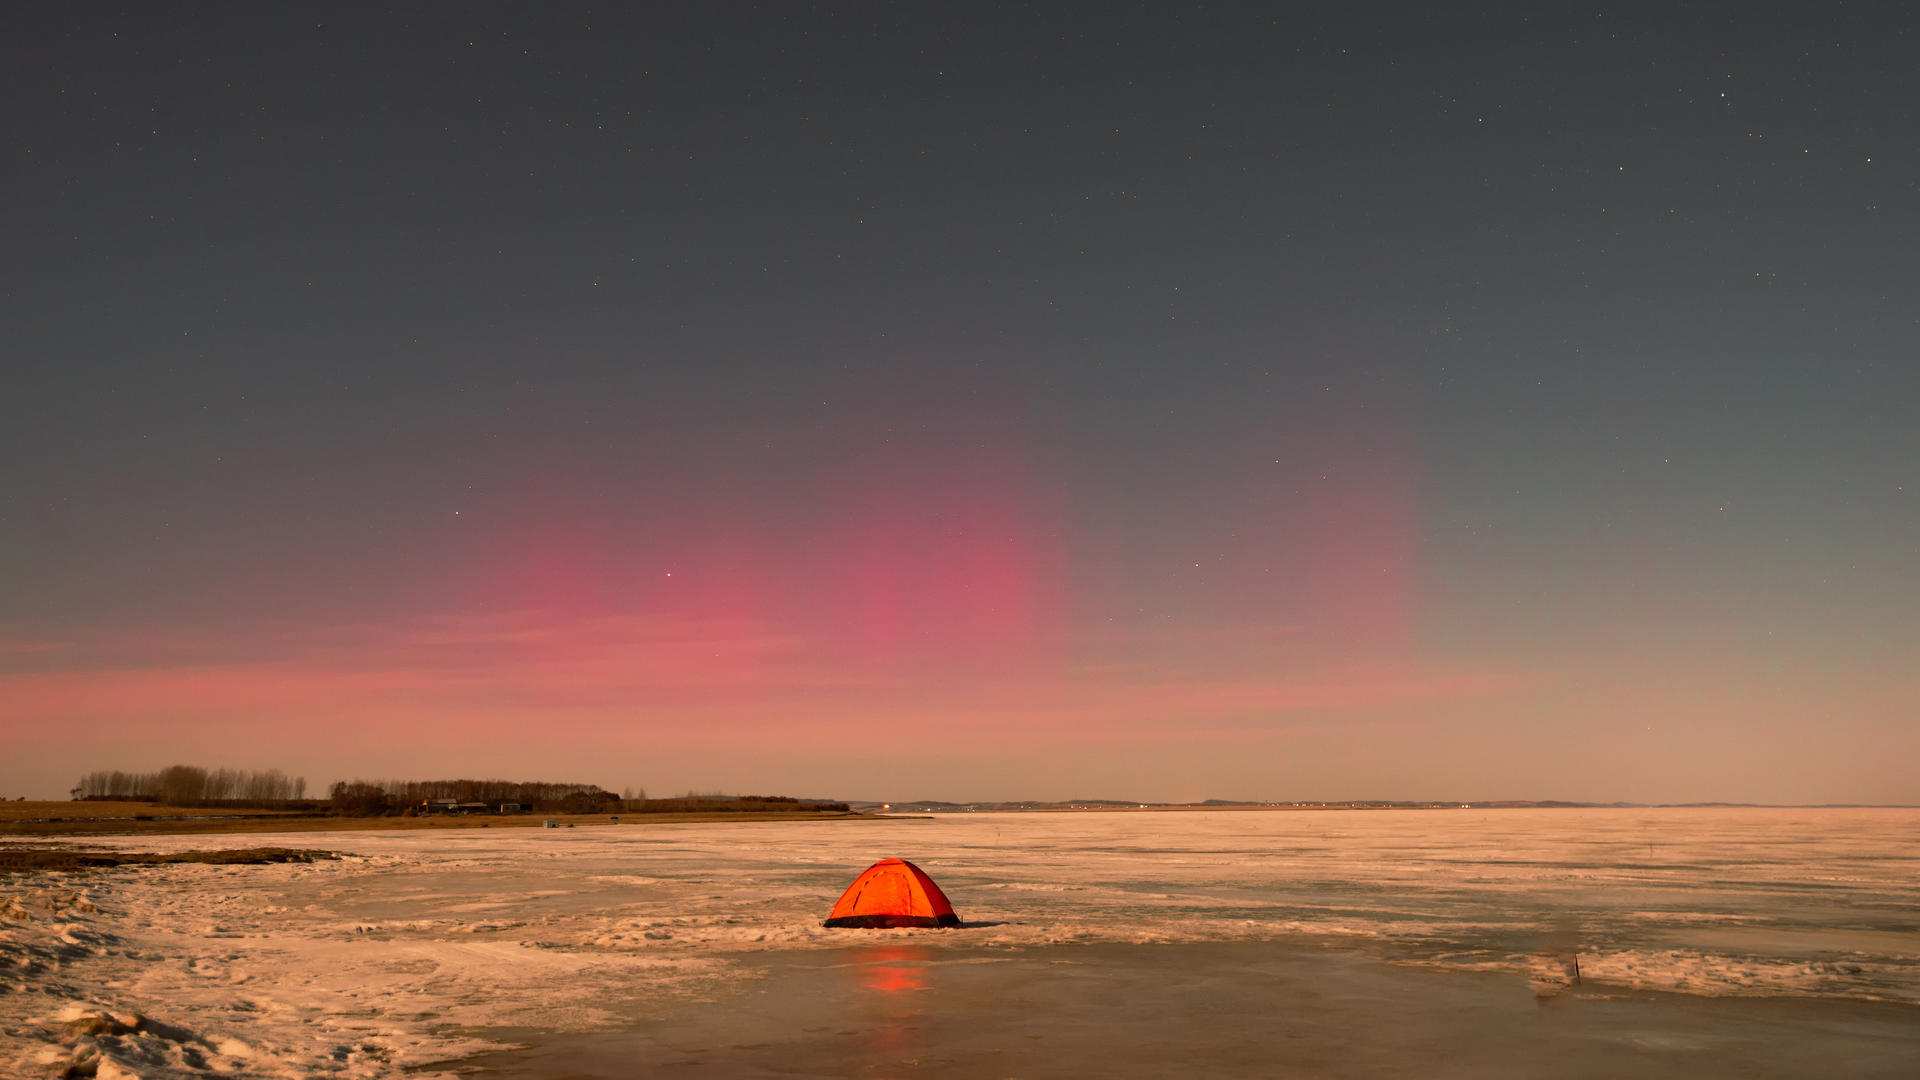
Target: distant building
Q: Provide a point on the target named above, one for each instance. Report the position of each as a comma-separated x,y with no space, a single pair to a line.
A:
512,808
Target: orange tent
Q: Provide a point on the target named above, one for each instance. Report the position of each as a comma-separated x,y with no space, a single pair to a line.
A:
893,892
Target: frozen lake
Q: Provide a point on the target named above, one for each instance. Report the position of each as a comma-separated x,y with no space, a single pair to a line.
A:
1364,937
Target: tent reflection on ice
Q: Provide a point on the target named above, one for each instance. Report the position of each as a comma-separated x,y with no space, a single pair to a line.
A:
891,893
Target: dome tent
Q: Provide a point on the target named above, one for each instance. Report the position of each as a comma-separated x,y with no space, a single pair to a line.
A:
891,893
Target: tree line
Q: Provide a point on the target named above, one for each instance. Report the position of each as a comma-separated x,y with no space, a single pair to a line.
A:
188,785
372,798
363,798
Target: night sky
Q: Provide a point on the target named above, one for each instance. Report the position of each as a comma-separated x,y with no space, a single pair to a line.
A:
1158,402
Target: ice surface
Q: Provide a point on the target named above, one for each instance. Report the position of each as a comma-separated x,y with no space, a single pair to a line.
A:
416,946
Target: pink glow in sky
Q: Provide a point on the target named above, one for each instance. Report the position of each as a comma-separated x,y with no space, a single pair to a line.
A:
926,608
979,400
923,592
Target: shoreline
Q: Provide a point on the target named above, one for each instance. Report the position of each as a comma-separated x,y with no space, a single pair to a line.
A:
186,821
226,822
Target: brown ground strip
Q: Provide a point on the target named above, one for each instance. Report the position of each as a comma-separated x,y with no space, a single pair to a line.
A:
69,859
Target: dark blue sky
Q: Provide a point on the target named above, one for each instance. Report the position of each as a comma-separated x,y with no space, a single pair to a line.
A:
1505,389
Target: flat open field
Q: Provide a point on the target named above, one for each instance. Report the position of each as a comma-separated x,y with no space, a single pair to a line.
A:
1659,944
119,819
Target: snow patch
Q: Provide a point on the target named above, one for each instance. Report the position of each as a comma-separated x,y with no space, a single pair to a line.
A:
409,950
